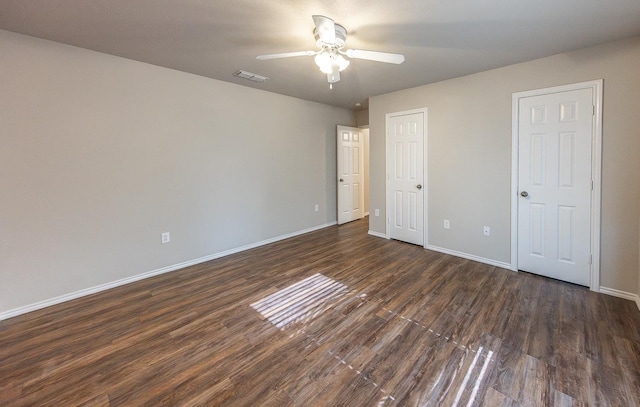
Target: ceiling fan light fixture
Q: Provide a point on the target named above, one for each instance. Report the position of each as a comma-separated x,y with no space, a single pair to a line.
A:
334,76
342,63
324,62
329,62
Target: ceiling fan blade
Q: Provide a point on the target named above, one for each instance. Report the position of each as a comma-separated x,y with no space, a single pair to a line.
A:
376,56
286,55
326,29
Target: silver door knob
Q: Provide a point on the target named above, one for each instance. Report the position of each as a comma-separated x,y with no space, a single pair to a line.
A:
419,186
524,194
341,180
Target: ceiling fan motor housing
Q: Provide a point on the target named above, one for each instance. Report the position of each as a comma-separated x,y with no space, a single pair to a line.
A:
341,37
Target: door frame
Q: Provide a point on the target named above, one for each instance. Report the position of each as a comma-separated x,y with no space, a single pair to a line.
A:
596,171
425,179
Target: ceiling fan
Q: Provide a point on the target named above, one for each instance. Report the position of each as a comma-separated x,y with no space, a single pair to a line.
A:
330,38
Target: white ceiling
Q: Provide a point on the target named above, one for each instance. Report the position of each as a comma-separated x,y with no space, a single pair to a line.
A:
440,39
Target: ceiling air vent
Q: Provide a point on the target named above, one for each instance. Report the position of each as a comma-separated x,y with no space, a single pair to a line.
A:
251,76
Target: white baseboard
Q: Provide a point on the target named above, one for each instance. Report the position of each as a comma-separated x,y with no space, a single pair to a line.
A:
377,234
470,257
621,294
102,287
455,253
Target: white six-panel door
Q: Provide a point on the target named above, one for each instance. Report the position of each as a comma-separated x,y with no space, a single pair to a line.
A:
555,184
405,191
350,159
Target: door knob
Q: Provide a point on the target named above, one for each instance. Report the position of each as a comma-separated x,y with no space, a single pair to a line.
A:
419,186
524,194
341,180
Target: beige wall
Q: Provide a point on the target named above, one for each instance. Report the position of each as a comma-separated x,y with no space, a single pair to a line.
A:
100,154
362,120
469,153
362,117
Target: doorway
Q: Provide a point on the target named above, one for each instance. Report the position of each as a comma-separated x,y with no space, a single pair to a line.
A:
353,173
556,182
406,186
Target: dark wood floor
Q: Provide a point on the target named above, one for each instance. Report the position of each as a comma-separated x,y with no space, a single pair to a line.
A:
331,318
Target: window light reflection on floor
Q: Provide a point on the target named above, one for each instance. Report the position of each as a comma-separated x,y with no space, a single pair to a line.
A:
301,301
477,382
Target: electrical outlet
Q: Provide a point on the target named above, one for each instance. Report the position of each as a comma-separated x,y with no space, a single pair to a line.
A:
165,237
446,224
317,207
486,231
377,212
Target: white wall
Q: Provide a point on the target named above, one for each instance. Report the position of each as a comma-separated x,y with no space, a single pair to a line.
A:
469,153
100,154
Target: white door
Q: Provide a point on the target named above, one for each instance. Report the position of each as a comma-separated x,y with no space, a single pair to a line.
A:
405,191
350,174
554,184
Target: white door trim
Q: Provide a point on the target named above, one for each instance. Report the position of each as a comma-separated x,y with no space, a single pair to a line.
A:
425,182
596,171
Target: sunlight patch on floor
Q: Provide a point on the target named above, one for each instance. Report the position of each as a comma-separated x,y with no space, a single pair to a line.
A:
301,301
